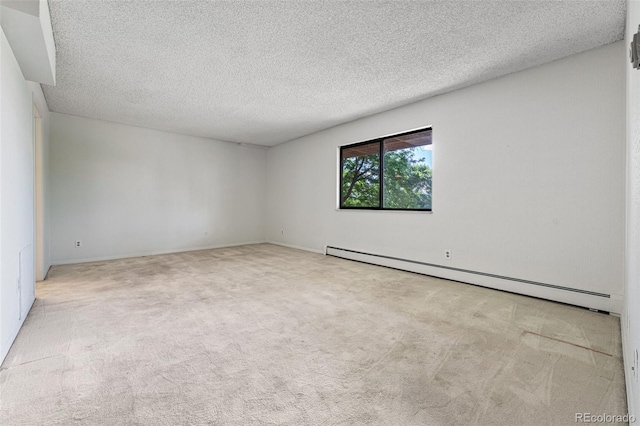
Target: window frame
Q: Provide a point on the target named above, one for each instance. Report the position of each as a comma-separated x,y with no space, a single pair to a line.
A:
380,142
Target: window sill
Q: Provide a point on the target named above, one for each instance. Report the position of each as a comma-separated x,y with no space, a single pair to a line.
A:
385,211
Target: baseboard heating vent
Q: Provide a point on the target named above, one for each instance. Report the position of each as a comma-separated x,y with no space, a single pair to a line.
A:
574,296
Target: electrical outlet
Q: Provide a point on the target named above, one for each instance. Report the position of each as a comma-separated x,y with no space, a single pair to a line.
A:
448,254
78,244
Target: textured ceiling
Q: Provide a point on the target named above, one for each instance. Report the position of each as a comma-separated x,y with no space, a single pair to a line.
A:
265,72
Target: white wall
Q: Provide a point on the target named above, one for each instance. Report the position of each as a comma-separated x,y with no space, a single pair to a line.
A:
631,317
528,179
128,191
17,280
27,26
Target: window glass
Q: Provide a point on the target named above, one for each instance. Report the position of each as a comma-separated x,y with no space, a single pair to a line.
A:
361,175
390,173
407,171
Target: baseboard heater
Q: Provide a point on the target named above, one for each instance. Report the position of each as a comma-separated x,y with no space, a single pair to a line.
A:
574,296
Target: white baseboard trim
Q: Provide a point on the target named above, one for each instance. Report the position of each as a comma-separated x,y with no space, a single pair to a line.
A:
152,253
277,243
6,345
578,297
617,304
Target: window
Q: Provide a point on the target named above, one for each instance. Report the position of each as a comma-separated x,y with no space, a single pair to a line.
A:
391,173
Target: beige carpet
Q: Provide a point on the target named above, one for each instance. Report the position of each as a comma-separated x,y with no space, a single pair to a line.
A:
269,335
